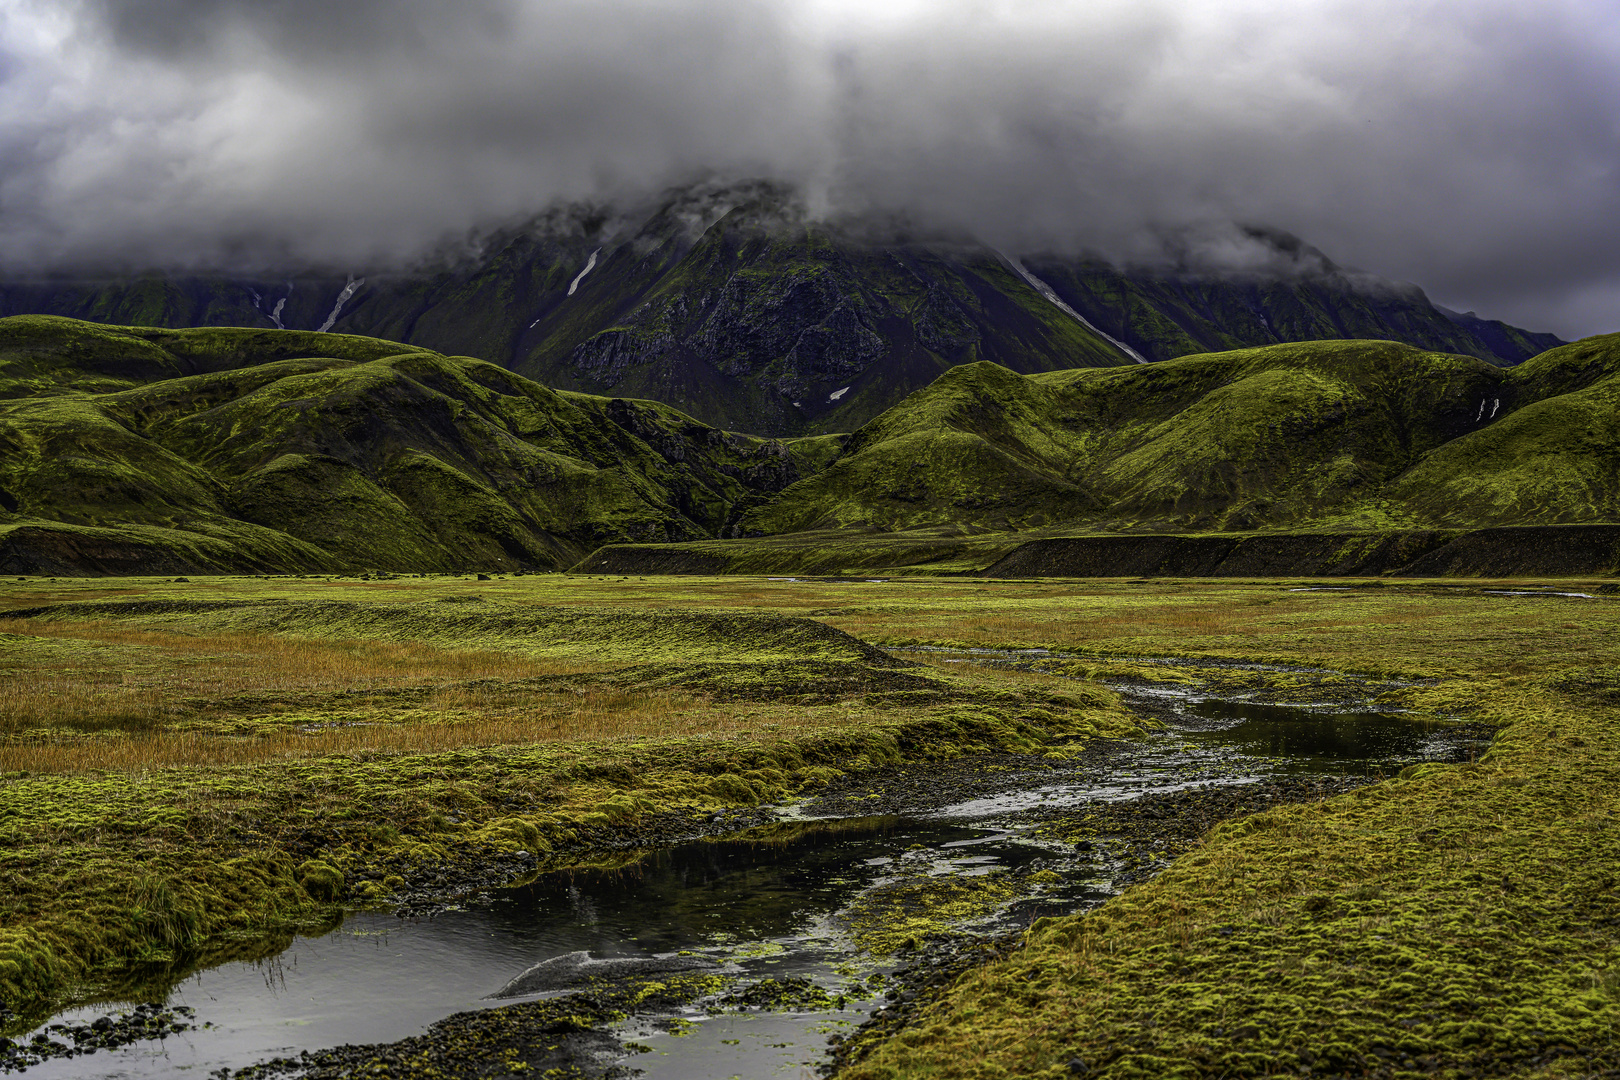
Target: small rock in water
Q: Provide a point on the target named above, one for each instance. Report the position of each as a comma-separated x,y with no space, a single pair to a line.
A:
575,968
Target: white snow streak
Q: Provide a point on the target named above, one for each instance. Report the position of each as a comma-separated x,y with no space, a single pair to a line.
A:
1496,404
590,264
275,313
836,394
1046,290
343,298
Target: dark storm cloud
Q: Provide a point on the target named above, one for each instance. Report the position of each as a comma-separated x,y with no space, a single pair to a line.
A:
1472,147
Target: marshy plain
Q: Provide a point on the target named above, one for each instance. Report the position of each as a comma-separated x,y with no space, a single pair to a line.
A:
905,827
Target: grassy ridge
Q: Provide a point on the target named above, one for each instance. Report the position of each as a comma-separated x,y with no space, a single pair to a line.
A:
195,450
1326,435
150,451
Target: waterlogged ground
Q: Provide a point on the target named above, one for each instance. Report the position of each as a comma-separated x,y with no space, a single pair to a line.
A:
805,901
849,838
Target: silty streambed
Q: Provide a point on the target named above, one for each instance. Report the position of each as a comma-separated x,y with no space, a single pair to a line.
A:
789,902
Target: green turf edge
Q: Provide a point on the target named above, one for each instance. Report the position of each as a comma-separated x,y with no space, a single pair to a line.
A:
159,873
1457,921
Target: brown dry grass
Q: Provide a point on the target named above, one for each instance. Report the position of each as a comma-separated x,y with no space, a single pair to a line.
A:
104,695
1042,623
153,679
454,720
1008,677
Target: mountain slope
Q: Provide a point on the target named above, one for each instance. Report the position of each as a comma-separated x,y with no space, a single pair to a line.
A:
1166,314
1551,455
1340,435
732,304
169,451
212,449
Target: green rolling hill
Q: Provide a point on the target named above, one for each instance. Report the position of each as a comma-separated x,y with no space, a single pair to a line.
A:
1325,435
150,450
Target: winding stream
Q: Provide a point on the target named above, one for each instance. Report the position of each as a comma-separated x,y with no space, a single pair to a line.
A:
773,904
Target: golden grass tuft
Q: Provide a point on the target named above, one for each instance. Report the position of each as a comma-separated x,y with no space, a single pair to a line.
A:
455,721
122,677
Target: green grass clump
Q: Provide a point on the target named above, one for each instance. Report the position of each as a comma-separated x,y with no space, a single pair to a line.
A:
229,766
1458,921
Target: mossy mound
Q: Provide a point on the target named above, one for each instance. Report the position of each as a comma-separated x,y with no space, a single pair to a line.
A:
160,451
320,880
1342,435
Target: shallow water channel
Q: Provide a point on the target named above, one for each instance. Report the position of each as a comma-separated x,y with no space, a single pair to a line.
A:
763,906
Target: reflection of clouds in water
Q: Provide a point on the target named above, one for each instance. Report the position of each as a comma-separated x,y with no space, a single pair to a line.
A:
584,907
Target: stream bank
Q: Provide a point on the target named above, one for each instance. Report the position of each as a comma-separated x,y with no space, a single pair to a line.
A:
830,924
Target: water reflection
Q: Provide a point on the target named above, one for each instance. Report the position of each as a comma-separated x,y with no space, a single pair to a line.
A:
1309,740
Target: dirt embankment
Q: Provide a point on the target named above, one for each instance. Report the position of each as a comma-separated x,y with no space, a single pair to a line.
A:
1519,551
43,552
651,559
1506,551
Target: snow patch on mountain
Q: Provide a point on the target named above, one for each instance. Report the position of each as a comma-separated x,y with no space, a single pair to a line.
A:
1047,291
343,298
590,264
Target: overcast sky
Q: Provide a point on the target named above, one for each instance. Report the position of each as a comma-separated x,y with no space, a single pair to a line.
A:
1470,146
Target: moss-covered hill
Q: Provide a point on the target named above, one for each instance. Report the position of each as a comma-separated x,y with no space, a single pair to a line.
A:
177,451
733,305
1336,435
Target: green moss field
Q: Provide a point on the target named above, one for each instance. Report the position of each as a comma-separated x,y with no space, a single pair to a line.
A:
191,771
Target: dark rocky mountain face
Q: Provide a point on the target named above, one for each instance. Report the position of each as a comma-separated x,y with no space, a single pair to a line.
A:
732,306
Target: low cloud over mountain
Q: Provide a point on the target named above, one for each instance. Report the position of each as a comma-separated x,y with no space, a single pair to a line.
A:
1471,147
